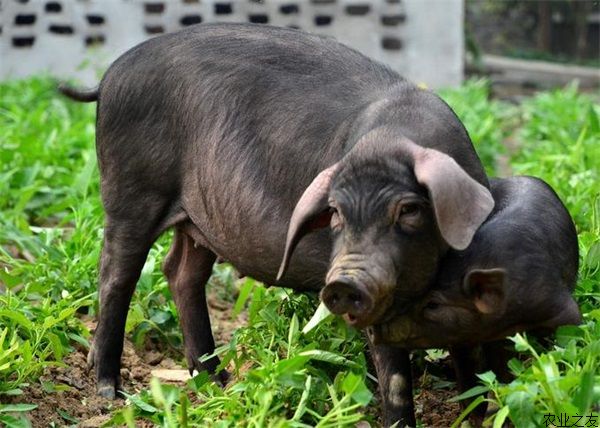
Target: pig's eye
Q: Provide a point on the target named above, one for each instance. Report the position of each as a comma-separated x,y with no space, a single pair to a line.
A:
431,311
336,220
408,216
432,306
409,209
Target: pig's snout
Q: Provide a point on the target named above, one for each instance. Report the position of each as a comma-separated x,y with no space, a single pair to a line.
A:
343,296
359,287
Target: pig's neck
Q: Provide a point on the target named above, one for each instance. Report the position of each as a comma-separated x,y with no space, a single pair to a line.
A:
409,112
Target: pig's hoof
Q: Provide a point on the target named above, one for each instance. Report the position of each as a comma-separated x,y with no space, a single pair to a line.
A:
221,378
90,358
106,389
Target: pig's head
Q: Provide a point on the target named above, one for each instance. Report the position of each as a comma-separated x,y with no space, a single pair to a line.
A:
481,307
394,209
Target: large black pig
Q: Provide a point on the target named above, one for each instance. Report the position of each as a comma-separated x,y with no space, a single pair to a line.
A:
225,132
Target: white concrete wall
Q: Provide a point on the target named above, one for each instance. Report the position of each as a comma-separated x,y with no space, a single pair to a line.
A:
422,39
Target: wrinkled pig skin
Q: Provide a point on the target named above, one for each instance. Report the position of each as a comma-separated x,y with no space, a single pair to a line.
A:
225,132
517,275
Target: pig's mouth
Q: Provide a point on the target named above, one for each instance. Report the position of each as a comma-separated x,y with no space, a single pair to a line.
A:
359,303
350,319
360,321
354,321
357,322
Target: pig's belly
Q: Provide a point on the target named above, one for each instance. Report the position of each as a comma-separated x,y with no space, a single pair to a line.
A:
307,269
259,254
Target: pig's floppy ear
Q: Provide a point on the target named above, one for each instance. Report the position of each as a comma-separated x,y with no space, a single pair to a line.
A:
486,288
460,203
311,212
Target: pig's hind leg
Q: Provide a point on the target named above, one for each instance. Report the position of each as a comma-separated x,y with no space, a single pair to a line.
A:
188,268
127,241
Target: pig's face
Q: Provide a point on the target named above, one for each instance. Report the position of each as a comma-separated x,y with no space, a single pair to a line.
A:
453,313
386,243
394,209
482,306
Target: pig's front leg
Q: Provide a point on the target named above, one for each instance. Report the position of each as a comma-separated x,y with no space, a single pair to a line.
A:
496,356
467,362
395,384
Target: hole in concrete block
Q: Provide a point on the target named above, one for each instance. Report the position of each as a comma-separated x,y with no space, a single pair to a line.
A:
154,29
22,1
258,18
94,40
191,1
95,19
322,1
25,19
53,7
322,20
393,1
391,43
358,9
288,9
154,8
23,42
223,8
391,20
190,20
60,29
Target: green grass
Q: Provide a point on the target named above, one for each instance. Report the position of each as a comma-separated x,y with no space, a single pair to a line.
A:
50,231
284,377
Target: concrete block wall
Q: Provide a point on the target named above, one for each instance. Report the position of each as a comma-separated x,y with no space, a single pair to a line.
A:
422,39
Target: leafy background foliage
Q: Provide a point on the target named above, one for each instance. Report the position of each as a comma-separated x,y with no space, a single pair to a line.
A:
50,233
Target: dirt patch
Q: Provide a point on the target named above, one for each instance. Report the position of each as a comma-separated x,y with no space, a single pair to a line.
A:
66,394
433,408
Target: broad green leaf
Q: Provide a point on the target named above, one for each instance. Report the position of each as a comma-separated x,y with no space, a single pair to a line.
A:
5,408
501,416
328,357
292,332
301,408
138,402
321,314
243,295
476,390
584,397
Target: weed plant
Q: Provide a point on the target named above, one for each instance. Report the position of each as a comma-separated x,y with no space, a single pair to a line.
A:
289,368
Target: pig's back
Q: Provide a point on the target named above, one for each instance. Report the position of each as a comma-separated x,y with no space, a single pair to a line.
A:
531,227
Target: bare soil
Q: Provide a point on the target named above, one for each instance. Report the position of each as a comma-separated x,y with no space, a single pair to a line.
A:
434,409
78,405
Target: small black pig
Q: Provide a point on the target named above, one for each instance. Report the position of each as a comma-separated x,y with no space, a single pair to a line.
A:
245,138
518,274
